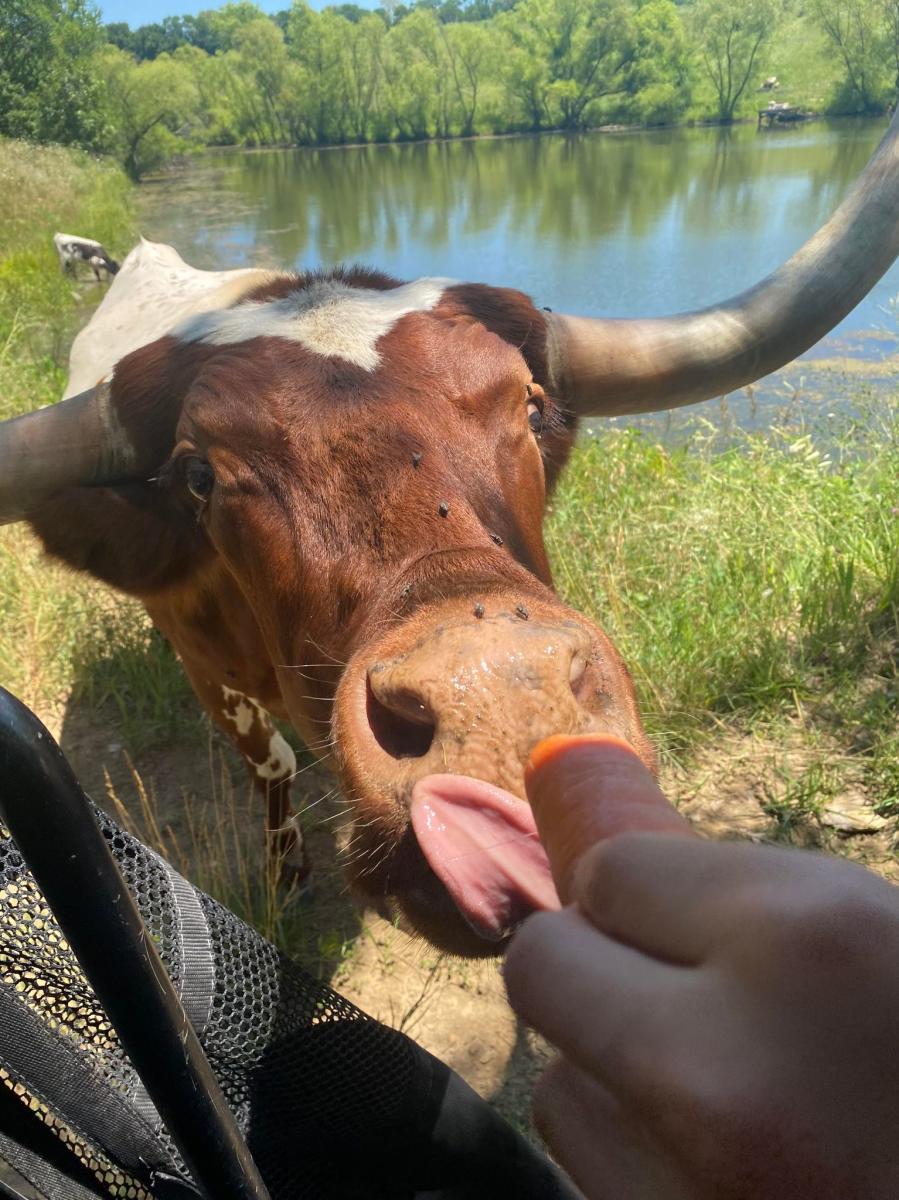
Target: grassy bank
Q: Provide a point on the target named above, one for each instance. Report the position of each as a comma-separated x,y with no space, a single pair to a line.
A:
58,633
47,190
750,584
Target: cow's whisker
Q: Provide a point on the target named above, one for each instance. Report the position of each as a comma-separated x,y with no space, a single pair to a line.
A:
376,866
334,816
309,807
301,770
327,654
298,666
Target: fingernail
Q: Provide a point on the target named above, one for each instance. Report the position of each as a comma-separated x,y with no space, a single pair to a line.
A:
552,747
583,790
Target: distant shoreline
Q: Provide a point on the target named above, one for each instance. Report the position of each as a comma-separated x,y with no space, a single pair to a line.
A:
617,130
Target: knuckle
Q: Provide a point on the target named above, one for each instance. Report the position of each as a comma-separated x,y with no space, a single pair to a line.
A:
526,952
607,866
717,1111
827,915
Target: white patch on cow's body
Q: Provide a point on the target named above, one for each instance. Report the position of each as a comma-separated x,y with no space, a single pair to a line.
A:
327,317
281,759
245,710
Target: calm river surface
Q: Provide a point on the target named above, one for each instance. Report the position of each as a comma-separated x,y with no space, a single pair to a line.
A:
611,224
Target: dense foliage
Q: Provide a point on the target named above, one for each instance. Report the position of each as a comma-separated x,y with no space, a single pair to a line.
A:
49,90
234,76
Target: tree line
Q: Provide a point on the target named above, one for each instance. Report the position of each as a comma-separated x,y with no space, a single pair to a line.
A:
431,68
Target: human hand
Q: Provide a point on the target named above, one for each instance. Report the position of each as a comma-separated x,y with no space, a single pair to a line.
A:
728,1015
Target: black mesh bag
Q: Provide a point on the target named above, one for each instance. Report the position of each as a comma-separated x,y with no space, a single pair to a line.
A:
287,1090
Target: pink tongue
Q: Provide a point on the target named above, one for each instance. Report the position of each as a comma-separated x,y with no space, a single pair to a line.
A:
482,844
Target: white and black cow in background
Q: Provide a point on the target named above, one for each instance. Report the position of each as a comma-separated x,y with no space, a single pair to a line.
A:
73,250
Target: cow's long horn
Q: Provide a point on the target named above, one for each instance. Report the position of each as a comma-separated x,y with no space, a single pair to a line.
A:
78,441
605,367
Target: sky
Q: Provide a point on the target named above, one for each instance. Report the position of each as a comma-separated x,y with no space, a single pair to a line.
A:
144,12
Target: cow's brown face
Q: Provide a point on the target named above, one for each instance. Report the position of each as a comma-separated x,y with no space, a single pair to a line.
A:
385,528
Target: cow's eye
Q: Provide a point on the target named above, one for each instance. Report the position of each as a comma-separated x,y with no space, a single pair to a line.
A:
199,477
535,410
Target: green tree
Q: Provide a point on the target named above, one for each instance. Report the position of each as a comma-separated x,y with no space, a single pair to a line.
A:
468,53
889,12
352,12
729,37
859,31
151,104
426,36
218,28
363,69
527,83
118,33
316,43
444,67
163,37
213,122
412,91
262,60
660,81
571,54
49,90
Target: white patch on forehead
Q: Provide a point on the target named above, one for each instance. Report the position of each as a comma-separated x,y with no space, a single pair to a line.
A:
154,291
327,317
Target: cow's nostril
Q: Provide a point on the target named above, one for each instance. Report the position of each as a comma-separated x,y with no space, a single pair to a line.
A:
403,729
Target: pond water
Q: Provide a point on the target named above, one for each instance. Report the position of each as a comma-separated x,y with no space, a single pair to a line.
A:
636,224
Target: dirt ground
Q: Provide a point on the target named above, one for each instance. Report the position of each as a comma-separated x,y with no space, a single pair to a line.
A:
456,1009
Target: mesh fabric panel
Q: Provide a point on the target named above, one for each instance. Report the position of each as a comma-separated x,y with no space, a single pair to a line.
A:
322,1092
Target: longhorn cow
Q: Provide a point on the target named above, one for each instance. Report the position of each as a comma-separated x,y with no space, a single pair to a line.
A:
328,489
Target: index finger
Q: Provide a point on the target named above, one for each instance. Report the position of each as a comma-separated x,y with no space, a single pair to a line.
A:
584,790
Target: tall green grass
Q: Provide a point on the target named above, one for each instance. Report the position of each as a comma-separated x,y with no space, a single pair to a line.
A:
45,190
64,636
742,577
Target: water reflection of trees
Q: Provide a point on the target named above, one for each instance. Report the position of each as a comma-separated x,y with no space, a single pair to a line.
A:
565,192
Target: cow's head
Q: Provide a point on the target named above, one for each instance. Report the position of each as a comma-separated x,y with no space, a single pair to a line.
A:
369,461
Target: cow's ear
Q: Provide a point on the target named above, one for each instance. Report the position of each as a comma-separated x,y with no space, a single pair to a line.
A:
131,533
511,316
506,312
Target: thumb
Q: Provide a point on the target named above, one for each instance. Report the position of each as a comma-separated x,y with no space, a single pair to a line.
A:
584,790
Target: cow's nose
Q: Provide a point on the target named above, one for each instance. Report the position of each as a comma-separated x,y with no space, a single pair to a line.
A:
399,716
474,698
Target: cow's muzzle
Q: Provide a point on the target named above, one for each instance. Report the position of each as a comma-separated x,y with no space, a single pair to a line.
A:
466,690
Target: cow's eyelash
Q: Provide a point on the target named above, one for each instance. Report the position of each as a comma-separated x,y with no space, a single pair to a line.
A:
171,473
553,421
166,474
